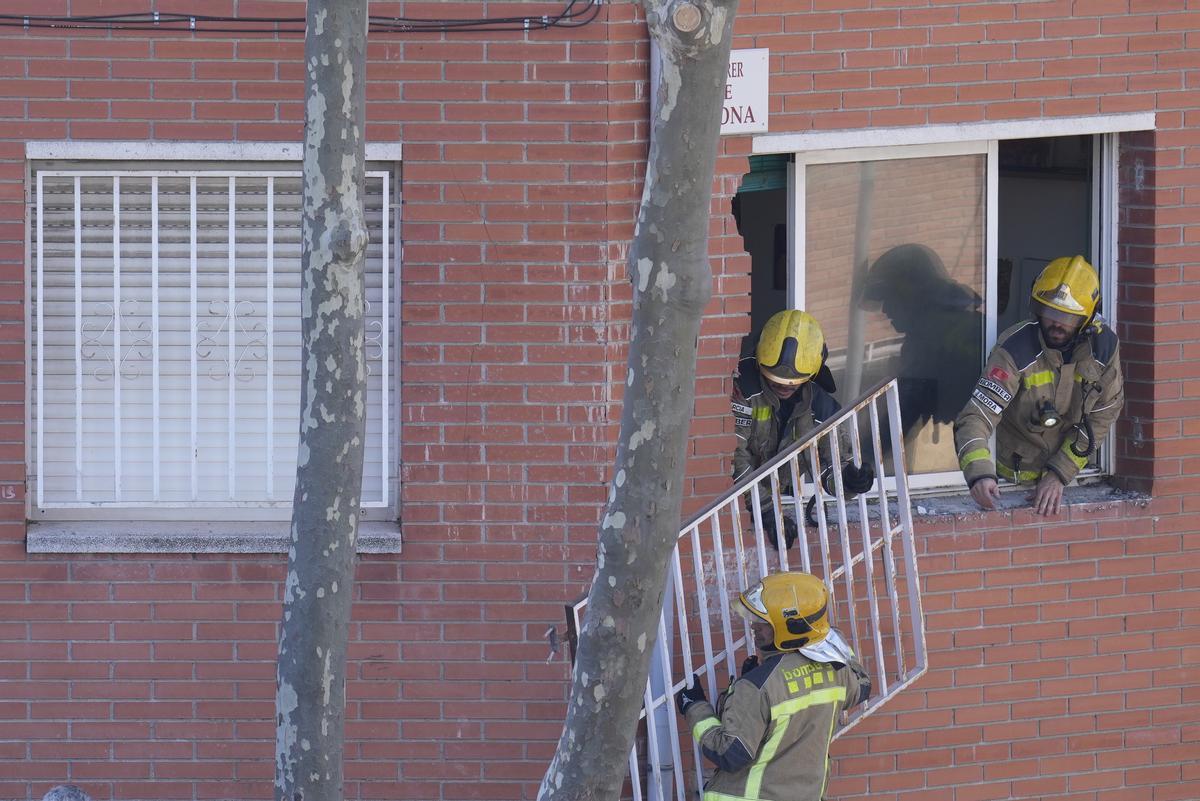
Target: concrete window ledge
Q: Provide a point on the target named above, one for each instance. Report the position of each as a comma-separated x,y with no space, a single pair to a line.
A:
171,537
1013,498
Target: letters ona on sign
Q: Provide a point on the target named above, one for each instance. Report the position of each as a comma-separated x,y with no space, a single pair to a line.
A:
744,108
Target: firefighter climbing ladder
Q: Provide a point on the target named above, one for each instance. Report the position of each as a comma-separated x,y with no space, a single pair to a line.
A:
862,548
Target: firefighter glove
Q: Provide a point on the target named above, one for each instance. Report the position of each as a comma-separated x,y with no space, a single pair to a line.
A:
750,663
688,696
857,479
789,530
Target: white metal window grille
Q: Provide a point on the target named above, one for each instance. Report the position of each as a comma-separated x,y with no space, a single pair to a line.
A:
165,336
863,549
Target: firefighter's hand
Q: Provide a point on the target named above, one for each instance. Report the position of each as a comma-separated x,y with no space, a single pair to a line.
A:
688,696
749,664
1047,496
856,480
789,529
986,492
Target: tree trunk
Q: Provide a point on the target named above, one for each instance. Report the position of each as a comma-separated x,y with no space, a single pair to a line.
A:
310,696
669,268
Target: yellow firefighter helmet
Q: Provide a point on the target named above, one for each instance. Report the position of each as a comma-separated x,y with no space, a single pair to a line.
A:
791,348
1068,291
795,604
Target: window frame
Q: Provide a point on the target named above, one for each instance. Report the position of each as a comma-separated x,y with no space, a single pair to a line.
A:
828,147
219,159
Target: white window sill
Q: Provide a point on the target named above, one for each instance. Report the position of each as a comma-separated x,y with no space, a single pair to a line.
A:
957,503
170,537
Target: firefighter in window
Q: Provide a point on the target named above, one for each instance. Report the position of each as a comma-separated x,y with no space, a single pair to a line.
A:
780,394
1051,390
770,732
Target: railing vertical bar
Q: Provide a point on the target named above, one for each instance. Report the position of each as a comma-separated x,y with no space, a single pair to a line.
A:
905,510
652,734
798,510
723,587
735,515
777,516
270,411
822,524
869,556
889,559
78,344
116,328
668,700
839,492
756,515
634,778
386,364
702,603
40,302
231,347
685,640
194,454
154,343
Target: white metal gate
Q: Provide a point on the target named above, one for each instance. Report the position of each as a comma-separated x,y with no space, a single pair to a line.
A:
863,549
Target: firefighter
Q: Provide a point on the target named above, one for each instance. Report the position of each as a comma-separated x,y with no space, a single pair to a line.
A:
1051,390
769,735
780,394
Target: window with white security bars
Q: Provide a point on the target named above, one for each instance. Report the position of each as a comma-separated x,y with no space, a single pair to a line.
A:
165,341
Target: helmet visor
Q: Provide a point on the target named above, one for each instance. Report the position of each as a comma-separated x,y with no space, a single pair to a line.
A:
1072,321
794,379
750,604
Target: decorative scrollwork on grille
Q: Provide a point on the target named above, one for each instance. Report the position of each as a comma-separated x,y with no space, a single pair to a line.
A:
97,341
249,340
373,339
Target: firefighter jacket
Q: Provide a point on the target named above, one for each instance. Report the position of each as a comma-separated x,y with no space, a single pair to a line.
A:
769,735
761,435
1022,374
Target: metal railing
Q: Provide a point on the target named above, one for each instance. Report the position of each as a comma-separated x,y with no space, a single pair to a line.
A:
861,547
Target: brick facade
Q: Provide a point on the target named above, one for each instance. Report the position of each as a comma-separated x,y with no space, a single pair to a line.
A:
1063,653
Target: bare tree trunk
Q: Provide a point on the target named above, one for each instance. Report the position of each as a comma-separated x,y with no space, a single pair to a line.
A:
669,268
311,690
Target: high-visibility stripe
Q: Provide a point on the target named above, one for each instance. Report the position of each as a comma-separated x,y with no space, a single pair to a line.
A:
1038,379
1025,475
762,413
1079,461
703,726
974,456
781,715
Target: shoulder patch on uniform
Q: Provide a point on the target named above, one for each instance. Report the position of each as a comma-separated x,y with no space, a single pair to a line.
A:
999,374
996,389
741,409
1024,345
1104,345
978,395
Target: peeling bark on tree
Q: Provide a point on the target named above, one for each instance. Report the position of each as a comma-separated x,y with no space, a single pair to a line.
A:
310,694
669,268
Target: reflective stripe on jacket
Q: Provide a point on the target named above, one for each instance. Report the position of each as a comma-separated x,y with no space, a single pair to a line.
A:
769,736
1021,374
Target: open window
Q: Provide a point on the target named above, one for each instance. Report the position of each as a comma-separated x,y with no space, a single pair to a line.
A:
914,257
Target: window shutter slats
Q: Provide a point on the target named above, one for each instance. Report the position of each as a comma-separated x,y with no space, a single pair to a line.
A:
229,383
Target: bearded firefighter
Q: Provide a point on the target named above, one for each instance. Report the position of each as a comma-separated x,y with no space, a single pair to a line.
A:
1050,391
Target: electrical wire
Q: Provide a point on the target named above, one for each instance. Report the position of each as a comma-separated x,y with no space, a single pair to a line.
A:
574,14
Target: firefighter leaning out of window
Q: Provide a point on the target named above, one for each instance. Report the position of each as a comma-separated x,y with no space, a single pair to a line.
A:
780,394
769,735
1050,390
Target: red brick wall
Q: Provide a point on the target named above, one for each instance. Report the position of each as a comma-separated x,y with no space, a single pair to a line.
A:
1062,655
